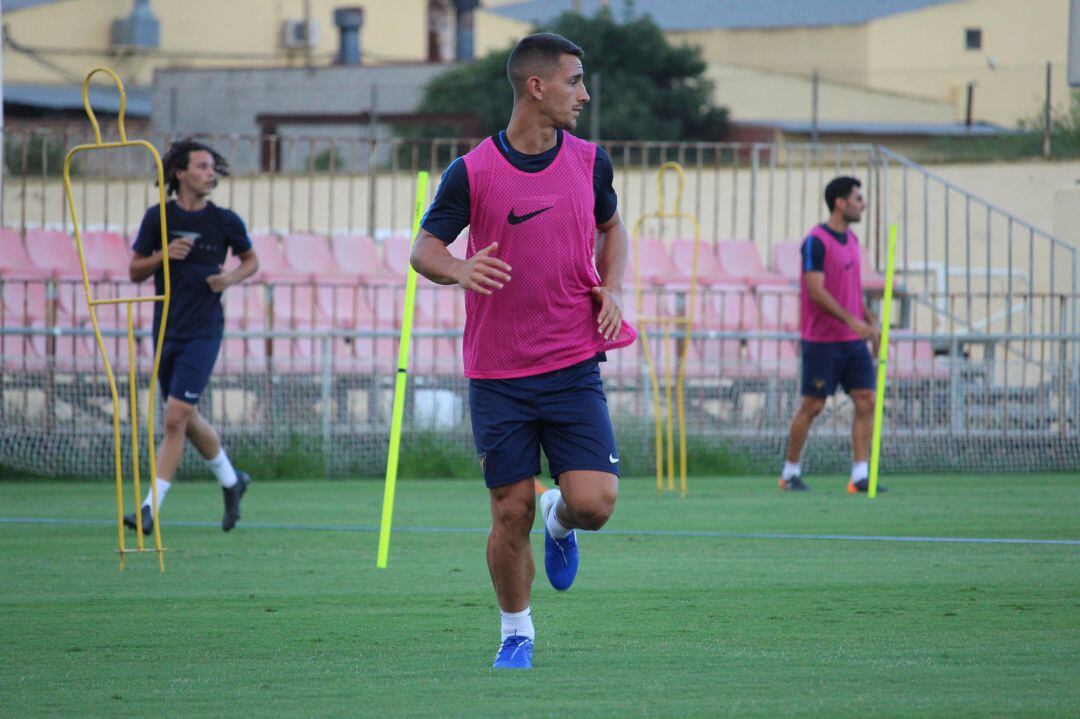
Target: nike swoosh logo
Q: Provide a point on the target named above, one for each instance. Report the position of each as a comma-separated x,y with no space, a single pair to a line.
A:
613,459
189,395
518,219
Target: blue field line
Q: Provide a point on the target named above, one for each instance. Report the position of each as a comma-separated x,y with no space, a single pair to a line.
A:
614,532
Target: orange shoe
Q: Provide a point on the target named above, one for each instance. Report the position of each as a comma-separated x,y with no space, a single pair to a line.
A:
793,484
863,485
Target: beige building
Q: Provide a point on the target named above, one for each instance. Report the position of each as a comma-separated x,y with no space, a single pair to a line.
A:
49,45
911,60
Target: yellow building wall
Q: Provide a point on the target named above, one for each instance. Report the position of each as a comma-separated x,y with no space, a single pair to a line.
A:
839,53
923,53
202,33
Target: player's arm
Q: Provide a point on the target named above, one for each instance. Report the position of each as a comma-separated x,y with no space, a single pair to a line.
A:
483,272
249,265
611,251
815,289
143,266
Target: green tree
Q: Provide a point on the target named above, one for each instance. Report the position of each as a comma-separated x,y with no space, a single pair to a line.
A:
650,90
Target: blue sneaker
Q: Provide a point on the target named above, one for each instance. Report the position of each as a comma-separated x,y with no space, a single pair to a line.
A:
515,653
560,555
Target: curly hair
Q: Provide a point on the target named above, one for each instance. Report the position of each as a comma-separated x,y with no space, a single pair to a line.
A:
178,156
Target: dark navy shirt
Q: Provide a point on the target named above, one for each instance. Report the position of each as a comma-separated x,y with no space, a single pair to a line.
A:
449,211
194,309
813,250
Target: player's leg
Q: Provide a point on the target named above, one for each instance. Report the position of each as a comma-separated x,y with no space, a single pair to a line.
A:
858,380
579,440
193,369
234,482
508,448
510,563
171,448
818,382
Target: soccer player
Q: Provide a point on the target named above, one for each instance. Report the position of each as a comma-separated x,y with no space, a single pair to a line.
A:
539,203
835,327
200,236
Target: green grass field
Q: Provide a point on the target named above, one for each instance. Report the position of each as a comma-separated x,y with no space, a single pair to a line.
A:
677,611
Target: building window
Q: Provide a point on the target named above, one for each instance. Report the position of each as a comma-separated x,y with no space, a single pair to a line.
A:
973,38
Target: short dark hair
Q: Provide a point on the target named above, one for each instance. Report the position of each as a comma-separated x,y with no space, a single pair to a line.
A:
536,54
178,157
839,187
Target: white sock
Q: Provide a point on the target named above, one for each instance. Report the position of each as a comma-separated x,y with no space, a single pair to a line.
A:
551,521
162,489
860,470
517,624
222,469
791,469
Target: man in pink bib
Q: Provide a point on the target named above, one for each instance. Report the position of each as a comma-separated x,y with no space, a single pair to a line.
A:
835,326
540,314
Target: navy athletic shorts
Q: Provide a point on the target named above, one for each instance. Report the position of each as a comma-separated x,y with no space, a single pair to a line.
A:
828,364
186,366
564,412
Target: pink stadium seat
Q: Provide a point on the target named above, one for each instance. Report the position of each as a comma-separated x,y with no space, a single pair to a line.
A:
727,307
358,255
106,254
779,307
787,260
53,252
25,303
346,306
740,258
709,270
654,265
388,302
771,358
310,255
440,306
871,280
723,357
396,255
294,306
14,262
243,355
911,358
272,262
244,307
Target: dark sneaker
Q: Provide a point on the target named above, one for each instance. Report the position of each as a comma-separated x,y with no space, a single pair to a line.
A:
793,484
863,485
560,555
515,653
147,520
233,495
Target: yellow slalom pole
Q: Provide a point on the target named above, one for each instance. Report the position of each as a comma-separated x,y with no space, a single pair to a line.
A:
399,384
883,356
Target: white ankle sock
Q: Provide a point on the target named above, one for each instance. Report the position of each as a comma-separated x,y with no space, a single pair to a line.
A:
791,469
860,470
517,624
551,521
222,469
162,489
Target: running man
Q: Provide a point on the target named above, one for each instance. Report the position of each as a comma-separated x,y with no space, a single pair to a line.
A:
539,203
200,235
835,327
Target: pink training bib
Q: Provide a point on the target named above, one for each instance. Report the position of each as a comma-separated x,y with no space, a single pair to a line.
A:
544,319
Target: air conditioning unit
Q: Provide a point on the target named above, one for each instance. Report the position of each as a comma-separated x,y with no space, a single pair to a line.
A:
299,34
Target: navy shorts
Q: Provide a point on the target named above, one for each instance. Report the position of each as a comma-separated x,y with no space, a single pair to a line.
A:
564,412
828,364
186,366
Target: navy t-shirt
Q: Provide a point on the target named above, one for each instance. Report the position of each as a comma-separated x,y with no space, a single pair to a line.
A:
813,250
194,309
449,211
